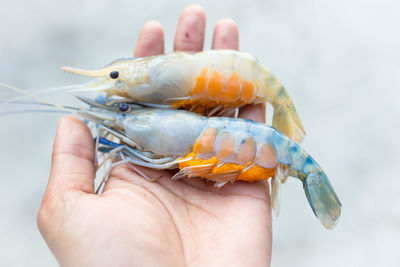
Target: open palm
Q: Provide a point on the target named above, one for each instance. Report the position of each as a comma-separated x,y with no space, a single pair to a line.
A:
162,223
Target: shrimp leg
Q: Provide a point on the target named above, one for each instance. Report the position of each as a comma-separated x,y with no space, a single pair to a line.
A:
134,152
134,156
114,155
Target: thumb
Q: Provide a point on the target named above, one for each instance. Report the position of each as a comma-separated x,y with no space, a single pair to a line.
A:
72,167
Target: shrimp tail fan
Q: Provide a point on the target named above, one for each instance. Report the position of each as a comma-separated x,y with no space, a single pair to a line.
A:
323,199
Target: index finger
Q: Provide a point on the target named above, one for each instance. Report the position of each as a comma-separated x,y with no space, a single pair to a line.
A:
151,40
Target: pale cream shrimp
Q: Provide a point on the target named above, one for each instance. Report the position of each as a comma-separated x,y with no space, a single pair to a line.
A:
214,82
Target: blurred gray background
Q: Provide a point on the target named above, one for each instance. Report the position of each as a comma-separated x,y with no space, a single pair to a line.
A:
339,60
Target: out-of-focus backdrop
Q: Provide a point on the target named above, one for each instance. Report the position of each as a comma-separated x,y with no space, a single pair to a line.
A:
338,59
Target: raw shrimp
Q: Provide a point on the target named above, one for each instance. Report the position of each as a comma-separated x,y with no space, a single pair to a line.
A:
218,149
214,82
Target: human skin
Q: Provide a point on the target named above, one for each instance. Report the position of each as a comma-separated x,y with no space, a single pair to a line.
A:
163,223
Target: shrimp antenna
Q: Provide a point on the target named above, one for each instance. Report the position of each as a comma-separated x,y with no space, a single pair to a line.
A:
50,90
41,99
29,111
68,89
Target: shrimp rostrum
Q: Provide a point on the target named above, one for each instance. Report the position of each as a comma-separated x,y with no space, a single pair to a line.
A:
215,82
219,149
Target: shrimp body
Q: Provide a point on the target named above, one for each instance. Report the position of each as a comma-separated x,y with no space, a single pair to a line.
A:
209,82
242,150
221,150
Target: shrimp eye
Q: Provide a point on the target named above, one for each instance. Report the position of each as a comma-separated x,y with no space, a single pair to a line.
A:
114,74
123,107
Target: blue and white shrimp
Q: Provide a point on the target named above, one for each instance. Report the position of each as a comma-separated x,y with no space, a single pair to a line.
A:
217,148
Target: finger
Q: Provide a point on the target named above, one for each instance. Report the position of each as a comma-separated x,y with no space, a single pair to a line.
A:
72,167
151,40
253,112
226,35
190,31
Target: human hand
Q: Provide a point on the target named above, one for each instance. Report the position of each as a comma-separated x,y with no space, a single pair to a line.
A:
167,223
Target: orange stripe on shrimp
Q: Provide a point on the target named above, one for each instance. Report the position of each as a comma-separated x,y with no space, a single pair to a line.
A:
240,167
